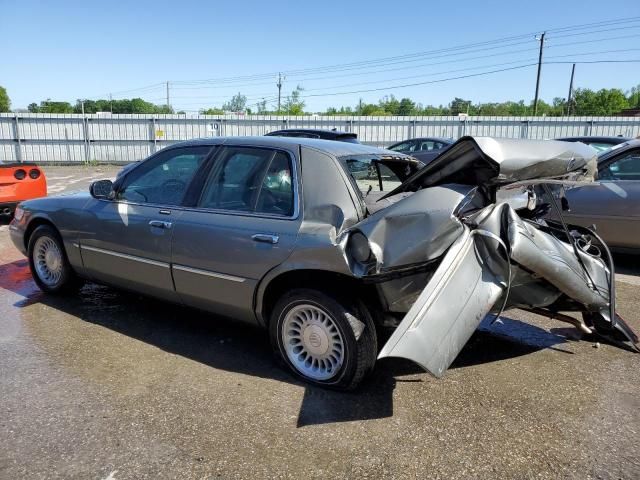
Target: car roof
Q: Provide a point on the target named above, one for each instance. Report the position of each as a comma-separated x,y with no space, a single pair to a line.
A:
329,146
435,139
591,138
318,131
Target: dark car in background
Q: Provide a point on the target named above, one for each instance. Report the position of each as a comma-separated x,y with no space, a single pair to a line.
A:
599,143
424,149
316,133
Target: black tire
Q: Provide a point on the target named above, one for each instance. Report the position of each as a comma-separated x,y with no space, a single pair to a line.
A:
67,281
359,354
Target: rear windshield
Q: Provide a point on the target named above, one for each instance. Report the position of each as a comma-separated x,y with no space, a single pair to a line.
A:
377,173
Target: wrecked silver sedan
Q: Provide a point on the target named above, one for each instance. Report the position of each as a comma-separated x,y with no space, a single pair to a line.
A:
327,243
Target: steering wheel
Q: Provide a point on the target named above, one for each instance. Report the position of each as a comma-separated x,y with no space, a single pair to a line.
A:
173,185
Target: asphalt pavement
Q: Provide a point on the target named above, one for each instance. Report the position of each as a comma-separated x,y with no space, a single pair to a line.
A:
112,385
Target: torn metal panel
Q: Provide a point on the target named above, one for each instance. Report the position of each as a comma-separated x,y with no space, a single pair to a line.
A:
556,262
414,230
461,292
486,161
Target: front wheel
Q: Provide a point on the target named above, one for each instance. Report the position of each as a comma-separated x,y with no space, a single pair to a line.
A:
48,262
323,340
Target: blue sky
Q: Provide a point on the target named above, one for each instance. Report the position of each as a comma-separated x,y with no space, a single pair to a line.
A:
71,49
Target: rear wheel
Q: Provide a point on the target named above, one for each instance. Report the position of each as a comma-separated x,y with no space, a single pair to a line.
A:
323,340
48,262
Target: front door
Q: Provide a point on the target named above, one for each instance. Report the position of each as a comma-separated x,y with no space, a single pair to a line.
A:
127,241
244,224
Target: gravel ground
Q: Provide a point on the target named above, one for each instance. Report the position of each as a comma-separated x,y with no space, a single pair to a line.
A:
108,384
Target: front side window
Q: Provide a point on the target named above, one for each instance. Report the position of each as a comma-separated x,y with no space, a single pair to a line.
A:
626,167
164,179
251,180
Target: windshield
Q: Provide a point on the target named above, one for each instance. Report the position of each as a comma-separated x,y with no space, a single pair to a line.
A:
600,147
376,173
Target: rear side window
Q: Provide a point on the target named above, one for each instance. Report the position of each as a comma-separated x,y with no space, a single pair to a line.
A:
408,146
251,180
373,173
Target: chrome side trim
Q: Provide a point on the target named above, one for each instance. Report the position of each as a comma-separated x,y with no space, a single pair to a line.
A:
124,255
208,273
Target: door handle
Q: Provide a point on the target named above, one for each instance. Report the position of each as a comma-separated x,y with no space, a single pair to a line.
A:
265,238
160,224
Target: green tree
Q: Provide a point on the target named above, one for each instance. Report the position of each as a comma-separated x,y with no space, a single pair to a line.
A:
212,111
293,104
134,105
49,106
459,105
406,107
262,107
633,97
5,102
602,102
238,103
389,104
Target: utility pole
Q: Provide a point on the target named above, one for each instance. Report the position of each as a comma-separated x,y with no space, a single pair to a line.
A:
535,100
168,103
111,103
279,85
573,71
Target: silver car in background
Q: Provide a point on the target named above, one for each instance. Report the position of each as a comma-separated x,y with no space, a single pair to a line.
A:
292,235
613,204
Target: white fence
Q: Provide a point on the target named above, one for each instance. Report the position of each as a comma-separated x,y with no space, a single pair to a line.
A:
62,138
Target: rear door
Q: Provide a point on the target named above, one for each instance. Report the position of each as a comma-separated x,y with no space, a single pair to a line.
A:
127,241
244,224
614,204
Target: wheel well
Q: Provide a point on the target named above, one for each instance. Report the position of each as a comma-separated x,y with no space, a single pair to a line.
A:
33,224
332,283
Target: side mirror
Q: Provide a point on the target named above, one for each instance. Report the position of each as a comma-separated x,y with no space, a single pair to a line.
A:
102,189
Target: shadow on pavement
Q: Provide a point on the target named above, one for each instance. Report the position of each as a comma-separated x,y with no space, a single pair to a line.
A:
627,264
235,347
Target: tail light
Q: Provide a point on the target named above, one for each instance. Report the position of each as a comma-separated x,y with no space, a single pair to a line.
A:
20,174
34,173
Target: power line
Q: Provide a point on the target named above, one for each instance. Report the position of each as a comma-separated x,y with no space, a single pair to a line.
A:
391,87
413,57
405,56
360,72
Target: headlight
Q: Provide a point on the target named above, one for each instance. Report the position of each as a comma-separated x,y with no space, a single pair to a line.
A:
18,213
358,247
20,174
34,173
